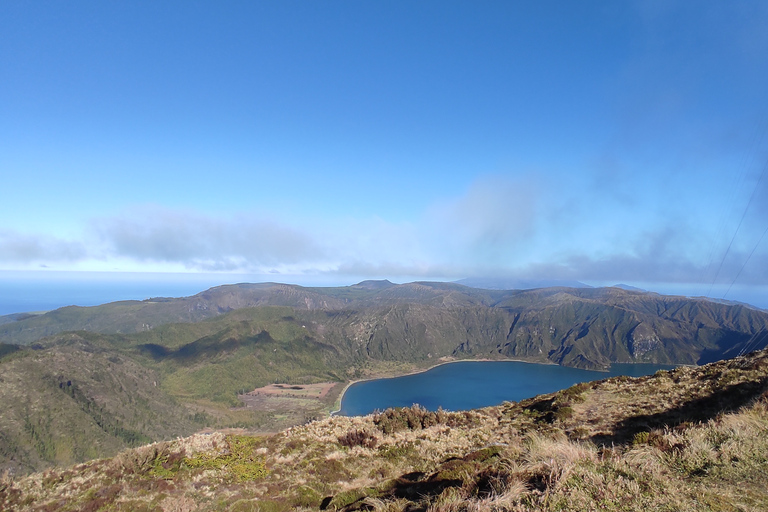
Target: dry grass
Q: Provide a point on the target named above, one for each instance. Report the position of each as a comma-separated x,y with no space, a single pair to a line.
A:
613,453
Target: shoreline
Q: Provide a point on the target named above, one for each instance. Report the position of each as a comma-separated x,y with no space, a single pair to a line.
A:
482,360
416,372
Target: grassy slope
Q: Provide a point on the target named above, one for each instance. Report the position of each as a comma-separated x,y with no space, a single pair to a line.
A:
83,395
689,439
79,400
197,369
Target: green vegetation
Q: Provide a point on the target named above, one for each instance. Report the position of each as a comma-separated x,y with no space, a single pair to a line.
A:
154,370
6,349
688,439
588,328
239,463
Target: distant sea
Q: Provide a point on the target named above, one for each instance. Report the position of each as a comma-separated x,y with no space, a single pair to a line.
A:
30,291
22,292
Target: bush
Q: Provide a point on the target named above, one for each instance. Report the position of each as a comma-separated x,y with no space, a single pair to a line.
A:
240,464
563,413
575,393
409,418
358,438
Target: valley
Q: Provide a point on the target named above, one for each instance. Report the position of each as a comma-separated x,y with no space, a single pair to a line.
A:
79,383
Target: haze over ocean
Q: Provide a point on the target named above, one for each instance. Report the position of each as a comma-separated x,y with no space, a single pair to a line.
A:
41,291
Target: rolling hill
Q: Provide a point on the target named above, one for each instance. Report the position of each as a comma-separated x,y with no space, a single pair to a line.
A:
78,383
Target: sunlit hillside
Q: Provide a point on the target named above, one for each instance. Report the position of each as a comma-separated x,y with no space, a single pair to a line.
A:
687,439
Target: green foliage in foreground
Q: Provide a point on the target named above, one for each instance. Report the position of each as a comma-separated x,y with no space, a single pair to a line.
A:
688,439
239,464
236,462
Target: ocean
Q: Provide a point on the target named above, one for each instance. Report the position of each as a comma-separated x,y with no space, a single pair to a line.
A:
28,292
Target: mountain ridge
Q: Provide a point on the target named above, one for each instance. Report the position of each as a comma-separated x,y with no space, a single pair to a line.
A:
237,338
601,325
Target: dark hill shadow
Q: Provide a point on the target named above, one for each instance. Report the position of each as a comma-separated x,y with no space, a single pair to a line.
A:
734,345
6,349
726,399
416,487
201,348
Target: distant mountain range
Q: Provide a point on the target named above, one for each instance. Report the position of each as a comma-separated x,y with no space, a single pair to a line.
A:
495,283
83,382
583,327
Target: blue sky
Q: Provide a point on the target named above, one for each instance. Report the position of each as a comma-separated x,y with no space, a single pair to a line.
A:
331,141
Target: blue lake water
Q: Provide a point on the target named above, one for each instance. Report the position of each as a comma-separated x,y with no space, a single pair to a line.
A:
471,384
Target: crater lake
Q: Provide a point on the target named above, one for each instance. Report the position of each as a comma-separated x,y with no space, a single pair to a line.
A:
465,385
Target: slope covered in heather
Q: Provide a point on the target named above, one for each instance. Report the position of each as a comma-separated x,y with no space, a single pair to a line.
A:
686,439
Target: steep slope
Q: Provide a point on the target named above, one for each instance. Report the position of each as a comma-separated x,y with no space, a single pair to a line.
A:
137,316
82,395
588,328
687,439
80,399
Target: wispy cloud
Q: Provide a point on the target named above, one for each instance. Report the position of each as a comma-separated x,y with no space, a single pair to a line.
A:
488,224
38,249
200,242
524,227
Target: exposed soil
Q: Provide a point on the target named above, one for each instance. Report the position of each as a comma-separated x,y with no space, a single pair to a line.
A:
318,391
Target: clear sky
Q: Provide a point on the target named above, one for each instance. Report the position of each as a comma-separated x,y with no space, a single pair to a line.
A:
604,142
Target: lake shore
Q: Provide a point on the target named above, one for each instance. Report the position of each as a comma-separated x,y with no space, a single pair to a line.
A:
479,387
443,361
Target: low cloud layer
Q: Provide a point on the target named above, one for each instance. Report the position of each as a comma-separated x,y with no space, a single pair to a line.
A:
207,243
17,248
525,228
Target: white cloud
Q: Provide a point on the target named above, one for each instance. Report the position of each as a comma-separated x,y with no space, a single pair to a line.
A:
38,249
528,227
201,242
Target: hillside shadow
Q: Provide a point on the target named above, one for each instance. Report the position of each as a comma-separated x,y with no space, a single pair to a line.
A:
731,349
418,487
6,349
200,348
724,400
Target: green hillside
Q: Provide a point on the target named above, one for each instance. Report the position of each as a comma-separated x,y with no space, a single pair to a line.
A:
81,395
588,328
75,395
72,396
686,439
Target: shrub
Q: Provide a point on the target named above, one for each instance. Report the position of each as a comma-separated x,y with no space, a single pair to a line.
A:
143,460
641,438
409,418
563,413
575,393
240,463
358,438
